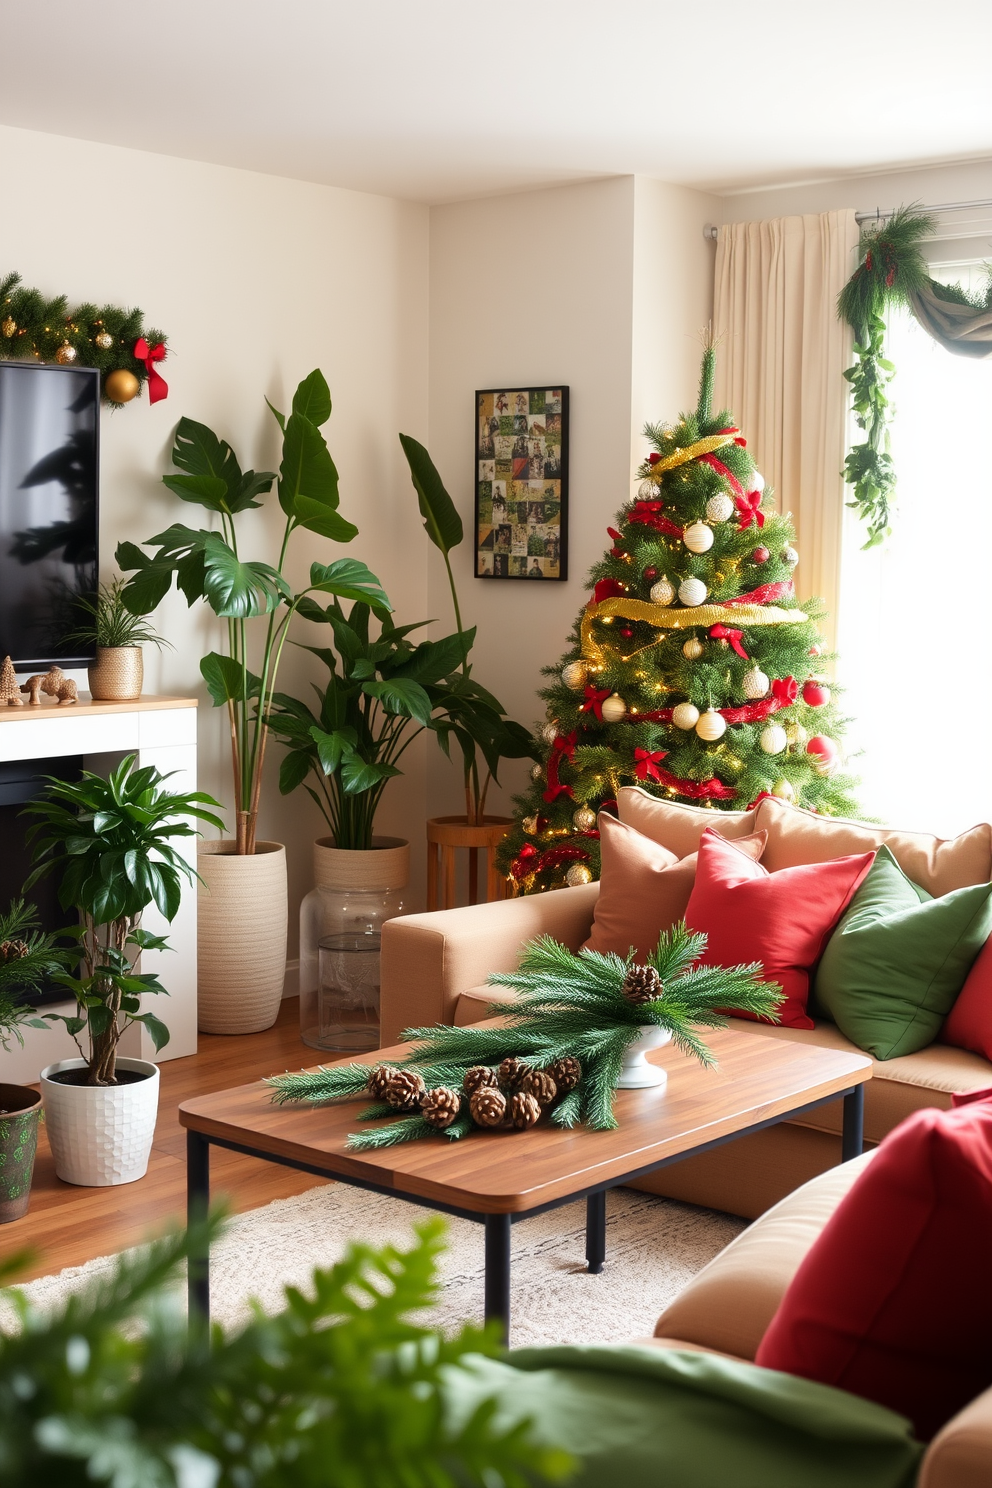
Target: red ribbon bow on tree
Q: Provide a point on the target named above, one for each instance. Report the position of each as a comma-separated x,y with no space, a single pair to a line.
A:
733,429
595,698
158,388
562,748
785,690
747,509
521,865
724,633
647,762
606,589
651,514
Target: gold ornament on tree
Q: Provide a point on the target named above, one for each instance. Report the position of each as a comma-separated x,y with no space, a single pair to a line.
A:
66,354
121,386
662,593
685,715
575,675
577,874
549,731
693,649
584,819
9,327
614,709
104,340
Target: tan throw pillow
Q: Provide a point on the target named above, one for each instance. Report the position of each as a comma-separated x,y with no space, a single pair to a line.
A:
796,836
676,826
644,889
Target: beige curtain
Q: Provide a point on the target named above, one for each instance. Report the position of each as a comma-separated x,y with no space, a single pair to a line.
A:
781,354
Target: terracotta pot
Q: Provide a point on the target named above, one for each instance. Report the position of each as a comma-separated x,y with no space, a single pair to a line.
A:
101,1135
20,1107
117,674
242,913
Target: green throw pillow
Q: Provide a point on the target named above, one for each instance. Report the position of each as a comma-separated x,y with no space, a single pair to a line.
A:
660,1418
898,959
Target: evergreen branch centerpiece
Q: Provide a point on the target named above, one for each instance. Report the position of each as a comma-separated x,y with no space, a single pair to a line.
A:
559,1053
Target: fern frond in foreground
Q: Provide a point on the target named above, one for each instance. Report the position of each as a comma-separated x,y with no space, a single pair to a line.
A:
580,1010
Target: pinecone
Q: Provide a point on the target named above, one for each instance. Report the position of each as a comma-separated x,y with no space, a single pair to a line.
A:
404,1089
479,1077
511,1072
14,950
540,1085
378,1079
642,984
524,1111
566,1073
440,1106
488,1106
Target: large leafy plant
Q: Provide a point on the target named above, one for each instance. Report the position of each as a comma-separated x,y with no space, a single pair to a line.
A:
207,565
111,843
338,1390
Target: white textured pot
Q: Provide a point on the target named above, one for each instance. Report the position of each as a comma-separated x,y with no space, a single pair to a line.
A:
242,914
637,1074
100,1134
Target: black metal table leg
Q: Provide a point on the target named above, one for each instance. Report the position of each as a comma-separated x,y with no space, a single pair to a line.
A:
853,1137
596,1232
197,1206
498,1271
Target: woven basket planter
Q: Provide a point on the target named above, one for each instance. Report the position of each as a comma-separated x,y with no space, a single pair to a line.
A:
241,928
117,675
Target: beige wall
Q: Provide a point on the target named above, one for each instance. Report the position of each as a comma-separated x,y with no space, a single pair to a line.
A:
256,280
603,287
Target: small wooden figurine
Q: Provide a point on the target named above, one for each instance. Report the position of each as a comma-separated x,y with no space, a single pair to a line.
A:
10,692
54,683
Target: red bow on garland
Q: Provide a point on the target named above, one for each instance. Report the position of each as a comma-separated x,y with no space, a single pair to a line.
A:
562,748
647,762
158,388
697,790
724,633
747,509
595,698
785,690
606,589
651,514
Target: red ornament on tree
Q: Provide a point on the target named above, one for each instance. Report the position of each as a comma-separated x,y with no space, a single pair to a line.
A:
815,650
626,631
824,747
650,574
761,555
816,694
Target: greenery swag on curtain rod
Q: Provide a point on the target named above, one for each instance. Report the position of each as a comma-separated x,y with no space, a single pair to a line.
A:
893,271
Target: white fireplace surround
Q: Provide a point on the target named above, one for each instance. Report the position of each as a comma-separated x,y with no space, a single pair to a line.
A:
161,731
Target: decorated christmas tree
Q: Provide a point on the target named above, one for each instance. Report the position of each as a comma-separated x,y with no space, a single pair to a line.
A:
693,671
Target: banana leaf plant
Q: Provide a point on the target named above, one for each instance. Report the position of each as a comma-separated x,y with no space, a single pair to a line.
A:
471,716
207,566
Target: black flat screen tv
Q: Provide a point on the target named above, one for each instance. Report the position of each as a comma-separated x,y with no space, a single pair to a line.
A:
49,497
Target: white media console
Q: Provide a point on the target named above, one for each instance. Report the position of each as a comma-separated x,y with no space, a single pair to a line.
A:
161,731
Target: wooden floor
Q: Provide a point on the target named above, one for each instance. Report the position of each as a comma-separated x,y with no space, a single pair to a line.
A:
66,1225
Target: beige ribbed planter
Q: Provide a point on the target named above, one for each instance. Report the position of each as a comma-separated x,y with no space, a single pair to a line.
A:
386,865
242,912
117,675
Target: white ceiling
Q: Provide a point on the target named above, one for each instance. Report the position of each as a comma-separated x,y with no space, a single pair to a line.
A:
439,99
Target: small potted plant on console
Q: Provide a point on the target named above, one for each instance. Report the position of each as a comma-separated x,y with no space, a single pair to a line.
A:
118,673
111,842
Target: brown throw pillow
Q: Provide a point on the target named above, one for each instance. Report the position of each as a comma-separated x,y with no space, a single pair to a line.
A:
644,889
677,826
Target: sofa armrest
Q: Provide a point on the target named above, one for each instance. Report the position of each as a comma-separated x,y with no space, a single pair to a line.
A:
429,960
960,1456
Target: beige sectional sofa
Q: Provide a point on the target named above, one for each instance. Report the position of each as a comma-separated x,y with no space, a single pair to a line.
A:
434,969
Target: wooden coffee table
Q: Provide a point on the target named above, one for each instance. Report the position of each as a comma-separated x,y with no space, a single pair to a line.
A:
498,1178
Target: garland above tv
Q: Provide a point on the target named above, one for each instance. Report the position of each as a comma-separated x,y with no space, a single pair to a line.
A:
106,337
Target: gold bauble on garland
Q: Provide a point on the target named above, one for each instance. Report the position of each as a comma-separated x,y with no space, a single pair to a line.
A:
9,327
121,386
66,354
104,340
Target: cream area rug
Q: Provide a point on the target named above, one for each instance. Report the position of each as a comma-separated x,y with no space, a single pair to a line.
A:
654,1247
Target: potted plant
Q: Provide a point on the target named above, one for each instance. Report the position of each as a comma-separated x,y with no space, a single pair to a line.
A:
28,957
118,672
243,910
111,843
473,718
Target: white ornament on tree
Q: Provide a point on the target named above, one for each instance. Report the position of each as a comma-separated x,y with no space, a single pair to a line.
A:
719,508
575,675
693,649
614,709
685,715
647,490
783,789
757,482
692,592
754,683
790,556
549,732
584,819
698,538
576,874
773,738
662,593
711,726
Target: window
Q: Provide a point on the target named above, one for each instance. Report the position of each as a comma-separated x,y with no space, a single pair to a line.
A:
915,622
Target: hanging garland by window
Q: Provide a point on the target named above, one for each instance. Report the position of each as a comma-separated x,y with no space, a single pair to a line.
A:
893,271
113,340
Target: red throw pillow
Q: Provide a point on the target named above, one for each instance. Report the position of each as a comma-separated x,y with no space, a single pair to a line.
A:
780,919
893,1301
644,889
969,1023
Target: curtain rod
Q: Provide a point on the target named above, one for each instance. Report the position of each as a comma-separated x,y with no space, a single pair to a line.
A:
711,232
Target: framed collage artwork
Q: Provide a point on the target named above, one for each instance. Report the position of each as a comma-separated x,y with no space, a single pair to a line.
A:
521,483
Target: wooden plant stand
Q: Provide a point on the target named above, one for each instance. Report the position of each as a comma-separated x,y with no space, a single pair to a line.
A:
447,833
